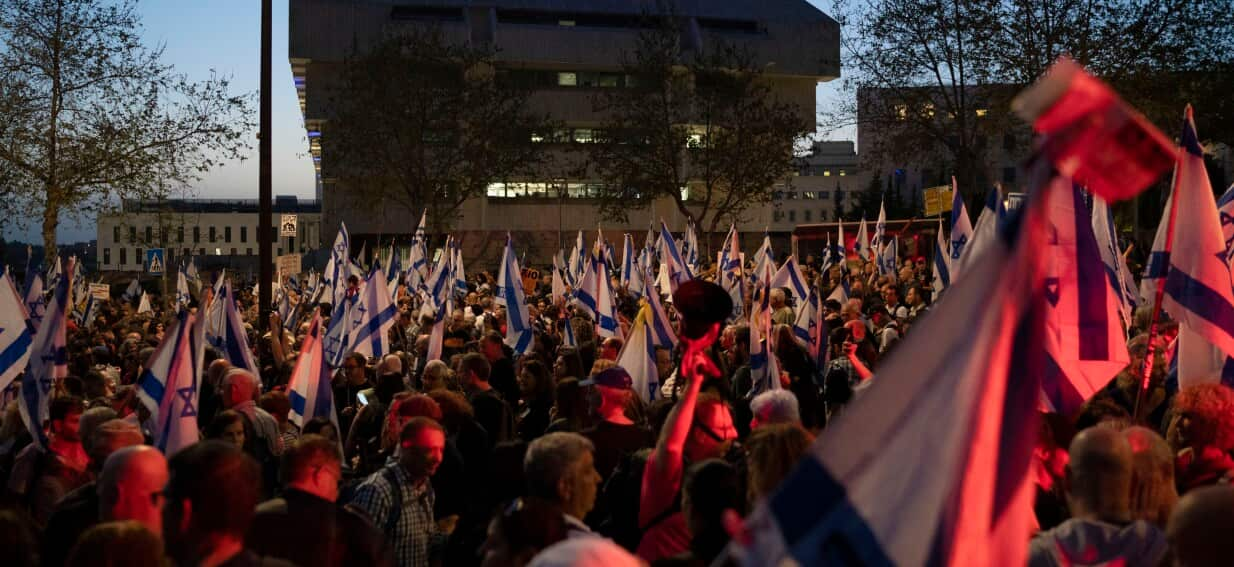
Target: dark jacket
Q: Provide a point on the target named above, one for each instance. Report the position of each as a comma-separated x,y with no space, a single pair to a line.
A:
312,532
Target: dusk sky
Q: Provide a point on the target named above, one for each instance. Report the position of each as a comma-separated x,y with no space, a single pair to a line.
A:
225,35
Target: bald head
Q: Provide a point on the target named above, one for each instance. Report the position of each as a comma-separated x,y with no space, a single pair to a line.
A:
217,369
131,486
1201,529
239,386
1098,479
390,364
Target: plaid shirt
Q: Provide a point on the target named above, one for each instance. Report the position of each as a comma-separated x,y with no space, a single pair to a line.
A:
415,536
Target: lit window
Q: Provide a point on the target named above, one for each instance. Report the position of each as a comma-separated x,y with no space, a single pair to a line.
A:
565,23
567,79
842,173
901,112
583,136
981,112
536,138
826,173
496,190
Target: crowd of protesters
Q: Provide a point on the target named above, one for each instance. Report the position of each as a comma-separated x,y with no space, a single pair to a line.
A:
479,457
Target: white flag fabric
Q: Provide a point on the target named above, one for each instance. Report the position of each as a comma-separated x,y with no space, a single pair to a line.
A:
372,318
809,326
440,282
143,306
662,333
133,291
985,233
338,267
183,297
863,242
929,464
672,256
880,226
764,366
437,336
731,272
309,385
558,289
631,279
519,332
791,277
942,262
961,230
171,383
888,258
229,337
16,334
48,361
638,357
36,304
1084,341
1116,270
1198,292
764,256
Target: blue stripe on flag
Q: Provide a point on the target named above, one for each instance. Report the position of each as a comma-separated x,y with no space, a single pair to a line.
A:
1203,301
1093,319
843,538
15,350
151,386
1158,264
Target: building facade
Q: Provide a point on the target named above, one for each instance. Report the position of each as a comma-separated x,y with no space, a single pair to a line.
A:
568,49
218,232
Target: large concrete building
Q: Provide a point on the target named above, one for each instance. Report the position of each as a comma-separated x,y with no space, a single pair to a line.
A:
219,232
575,47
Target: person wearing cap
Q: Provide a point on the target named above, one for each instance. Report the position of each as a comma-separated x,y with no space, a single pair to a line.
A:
698,427
616,435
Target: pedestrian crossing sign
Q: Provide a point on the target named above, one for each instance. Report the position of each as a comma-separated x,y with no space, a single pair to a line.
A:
155,261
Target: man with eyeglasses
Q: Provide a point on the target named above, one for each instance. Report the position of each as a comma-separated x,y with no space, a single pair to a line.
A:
354,380
305,525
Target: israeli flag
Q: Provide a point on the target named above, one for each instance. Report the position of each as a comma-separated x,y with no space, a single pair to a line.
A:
339,332
841,250
190,271
338,267
638,357
679,271
942,262
690,249
456,268
143,306
809,326
16,334
1116,270
567,331
1084,341
662,334
309,386
510,293
394,273
731,272
372,318
764,256
791,277
91,311
440,282
828,256
577,261
889,258
764,366
229,336
183,297
437,335
880,226
930,463
1198,293
558,289
985,233
863,243
629,267
131,293
961,230
36,304
48,361
171,383
417,271
595,296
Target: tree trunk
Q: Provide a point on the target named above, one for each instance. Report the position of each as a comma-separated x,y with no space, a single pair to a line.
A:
51,219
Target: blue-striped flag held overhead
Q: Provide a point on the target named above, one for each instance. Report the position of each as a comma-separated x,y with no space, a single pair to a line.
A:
229,336
1198,292
961,229
1084,337
1116,270
510,294
171,382
986,231
638,357
48,360
862,246
36,304
16,334
309,385
929,465
374,315
942,262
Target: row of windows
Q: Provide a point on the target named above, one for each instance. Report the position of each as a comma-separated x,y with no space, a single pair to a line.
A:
804,195
806,215
546,190
212,234
822,171
927,110
139,254
694,137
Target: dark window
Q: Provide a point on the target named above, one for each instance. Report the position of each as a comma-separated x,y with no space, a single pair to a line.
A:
248,251
106,256
824,195
227,234
792,216
202,252
149,234
212,234
233,251
124,256
140,257
426,14
244,234
115,233
180,234
806,215
196,235
132,234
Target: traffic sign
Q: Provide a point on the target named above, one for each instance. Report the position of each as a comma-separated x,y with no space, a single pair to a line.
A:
287,225
155,261
937,200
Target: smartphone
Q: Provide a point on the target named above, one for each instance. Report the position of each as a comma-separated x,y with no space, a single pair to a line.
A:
360,398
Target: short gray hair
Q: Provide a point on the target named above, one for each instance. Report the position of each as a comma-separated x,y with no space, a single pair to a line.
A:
549,459
776,406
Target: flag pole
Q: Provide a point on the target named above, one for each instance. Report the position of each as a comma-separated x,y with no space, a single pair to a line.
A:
1149,354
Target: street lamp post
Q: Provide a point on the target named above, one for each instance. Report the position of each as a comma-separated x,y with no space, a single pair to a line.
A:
265,227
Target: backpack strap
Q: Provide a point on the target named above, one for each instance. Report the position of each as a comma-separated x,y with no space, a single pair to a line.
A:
396,499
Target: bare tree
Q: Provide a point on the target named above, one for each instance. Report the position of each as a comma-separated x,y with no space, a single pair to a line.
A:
704,130
425,123
92,116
